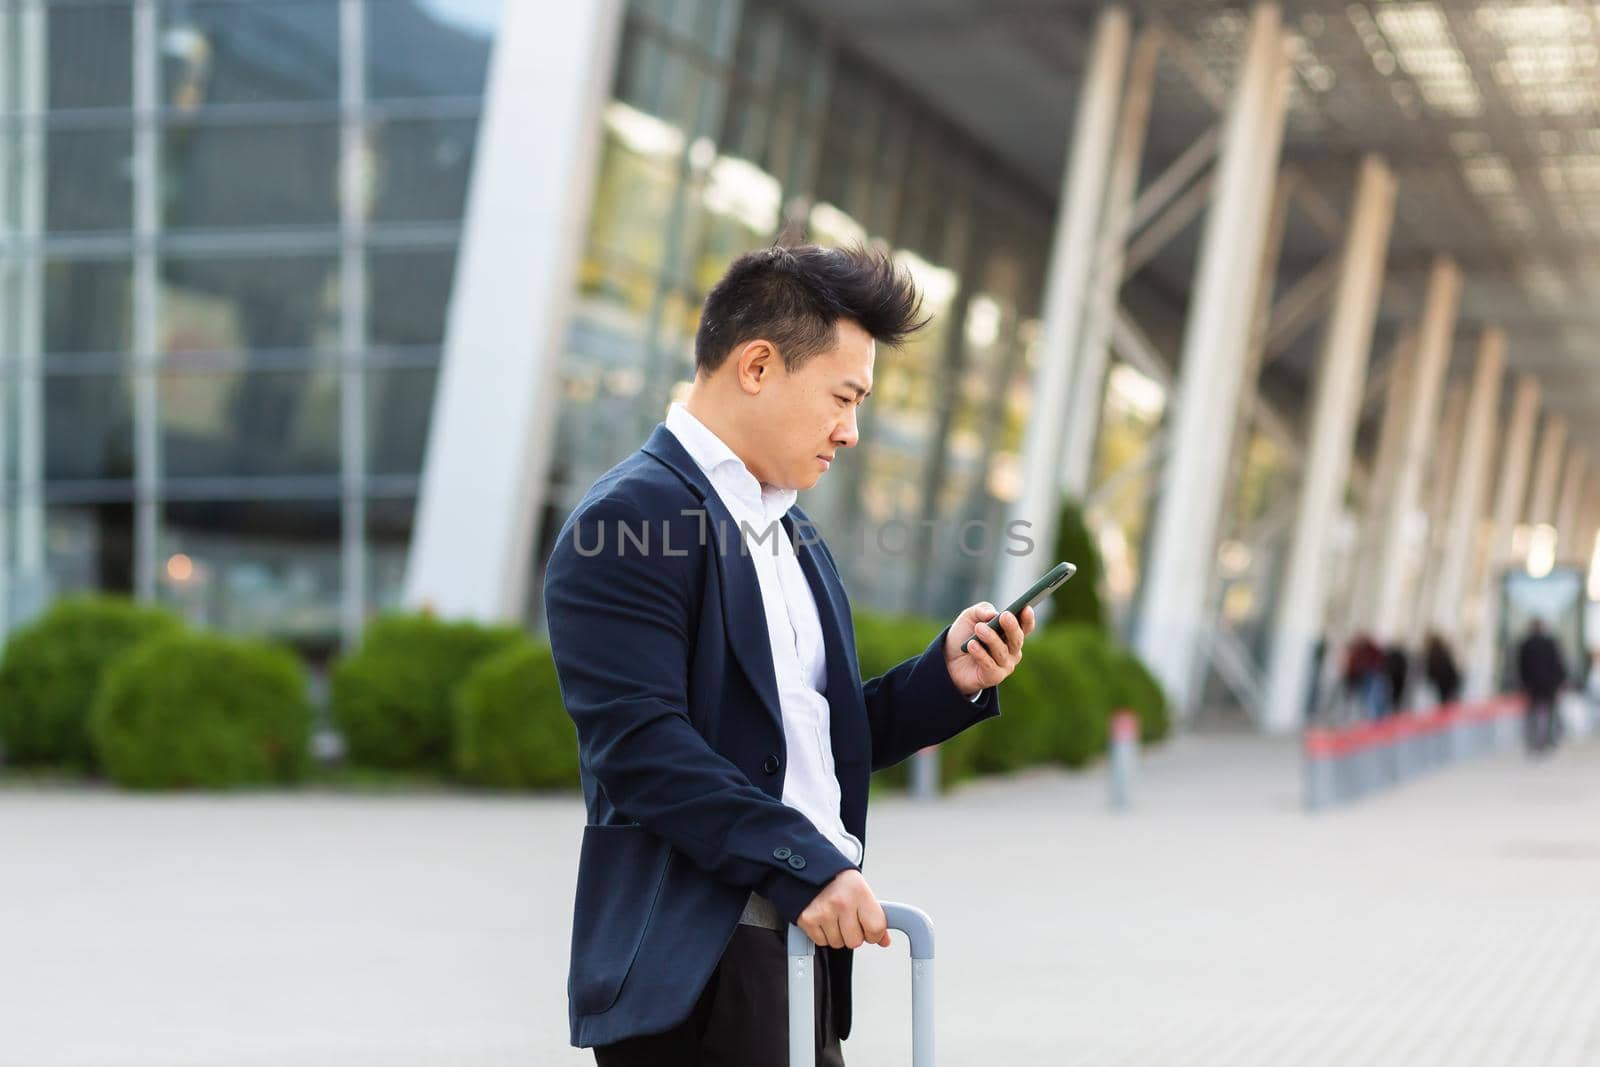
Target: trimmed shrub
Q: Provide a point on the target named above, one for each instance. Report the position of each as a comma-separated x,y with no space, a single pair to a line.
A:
53,667
512,730
391,698
1083,677
1138,690
1079,600
198,710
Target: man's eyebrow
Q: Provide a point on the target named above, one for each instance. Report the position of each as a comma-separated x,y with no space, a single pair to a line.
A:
861,393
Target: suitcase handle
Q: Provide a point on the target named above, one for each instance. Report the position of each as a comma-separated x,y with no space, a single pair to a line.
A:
918,928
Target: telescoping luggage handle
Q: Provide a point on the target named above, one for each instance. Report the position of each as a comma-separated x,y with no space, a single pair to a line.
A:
918,928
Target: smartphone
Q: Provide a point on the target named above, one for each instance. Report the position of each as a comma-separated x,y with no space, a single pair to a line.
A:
1036,592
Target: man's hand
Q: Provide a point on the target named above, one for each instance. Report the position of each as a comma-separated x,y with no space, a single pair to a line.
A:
991,658
845,914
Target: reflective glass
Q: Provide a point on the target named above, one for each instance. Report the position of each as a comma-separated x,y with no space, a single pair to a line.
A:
389,524
233,303
91,56
88,306
262,174
422,169
89,182
268,567
399,405
229,53
409,295
418,48
88,422
237,423
89,548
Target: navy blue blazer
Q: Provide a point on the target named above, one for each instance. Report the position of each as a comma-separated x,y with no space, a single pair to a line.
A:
661,649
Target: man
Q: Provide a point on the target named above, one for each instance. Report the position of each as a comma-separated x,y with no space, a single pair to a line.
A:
1542,672
704,648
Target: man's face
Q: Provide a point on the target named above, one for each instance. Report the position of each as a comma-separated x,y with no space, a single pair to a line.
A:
806,417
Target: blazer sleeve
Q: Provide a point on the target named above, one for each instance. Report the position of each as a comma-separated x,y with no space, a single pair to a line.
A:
915,704
619,624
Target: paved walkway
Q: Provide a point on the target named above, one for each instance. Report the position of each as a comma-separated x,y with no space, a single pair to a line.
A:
1453,922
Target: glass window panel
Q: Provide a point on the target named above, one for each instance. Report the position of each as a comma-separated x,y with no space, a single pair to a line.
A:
409,294
429,47
236,423
91,56
228,304
90,548
399,405
255,175
88,306
268,567
389,524
423,167
226,53
639,164
88,423
89,180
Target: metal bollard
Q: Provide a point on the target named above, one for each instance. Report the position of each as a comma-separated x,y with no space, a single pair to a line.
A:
1124,759
918,928
925,774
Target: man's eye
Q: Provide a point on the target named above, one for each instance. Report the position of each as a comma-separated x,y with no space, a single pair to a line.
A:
842,399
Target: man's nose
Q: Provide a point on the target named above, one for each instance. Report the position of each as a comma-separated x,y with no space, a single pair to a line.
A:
845,435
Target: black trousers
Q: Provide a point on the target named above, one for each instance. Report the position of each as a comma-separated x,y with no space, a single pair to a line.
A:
741,1018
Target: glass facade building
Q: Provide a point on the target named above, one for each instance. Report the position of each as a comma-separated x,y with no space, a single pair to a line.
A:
228,244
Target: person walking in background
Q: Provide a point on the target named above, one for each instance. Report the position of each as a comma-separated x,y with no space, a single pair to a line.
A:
1439,664
1365,683
725,735
1541,672
1396,667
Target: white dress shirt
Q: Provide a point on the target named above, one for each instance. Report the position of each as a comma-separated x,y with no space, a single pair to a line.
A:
799,659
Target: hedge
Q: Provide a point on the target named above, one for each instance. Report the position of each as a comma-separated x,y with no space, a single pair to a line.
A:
392,697
53,668
512,730
200,710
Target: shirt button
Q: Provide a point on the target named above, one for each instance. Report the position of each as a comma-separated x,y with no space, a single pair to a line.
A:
797,862
781,853
772,765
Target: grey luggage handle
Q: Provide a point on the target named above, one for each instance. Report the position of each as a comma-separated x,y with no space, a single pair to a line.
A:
918,928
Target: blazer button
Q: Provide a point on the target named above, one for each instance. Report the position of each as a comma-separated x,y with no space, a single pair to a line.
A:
781,853
797,862
772,765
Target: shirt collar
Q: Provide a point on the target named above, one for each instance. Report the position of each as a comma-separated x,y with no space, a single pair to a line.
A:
724,469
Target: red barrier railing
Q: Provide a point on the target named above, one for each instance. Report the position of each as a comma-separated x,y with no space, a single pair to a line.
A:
1323,742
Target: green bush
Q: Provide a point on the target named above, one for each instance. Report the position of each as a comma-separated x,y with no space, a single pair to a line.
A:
1138,690
512,730
1078,600
199,710
391,698
53,667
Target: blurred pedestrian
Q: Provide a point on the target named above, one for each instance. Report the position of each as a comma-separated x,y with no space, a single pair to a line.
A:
1365,683
1542,672
1396,667
1439,664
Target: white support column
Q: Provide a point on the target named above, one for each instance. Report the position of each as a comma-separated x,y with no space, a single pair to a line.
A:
1083,419
1476,449
1547,472
492,430
1573,491
10,258
1065,295
1434,336
1421,572
1341,370
1363,601
355,163
1177,576
1510,495
30,588
147,457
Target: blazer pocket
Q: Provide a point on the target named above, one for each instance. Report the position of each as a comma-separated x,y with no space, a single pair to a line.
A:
620,871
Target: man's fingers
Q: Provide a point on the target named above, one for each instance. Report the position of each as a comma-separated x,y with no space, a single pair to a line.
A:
812,929
850,930
830,931
875,925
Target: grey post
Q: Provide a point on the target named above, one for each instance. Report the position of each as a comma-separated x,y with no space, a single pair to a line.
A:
918,928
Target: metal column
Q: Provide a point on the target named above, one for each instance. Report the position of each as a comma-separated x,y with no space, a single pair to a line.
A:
522,237
1421,570
1177,577
1462,527
1547,472
1573,492
30,580
1510,494
1341,371
1434,336
1065,294
355,163
146,298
